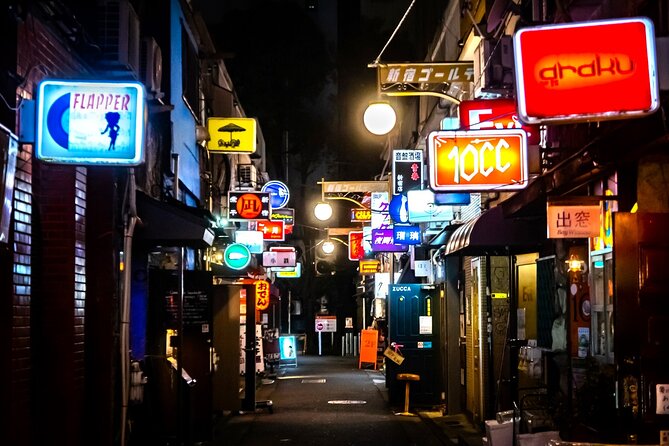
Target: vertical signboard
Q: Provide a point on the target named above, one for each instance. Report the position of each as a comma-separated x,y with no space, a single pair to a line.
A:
407,170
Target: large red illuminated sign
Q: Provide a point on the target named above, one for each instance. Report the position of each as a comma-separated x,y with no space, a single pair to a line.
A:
478,160
586,71
482,114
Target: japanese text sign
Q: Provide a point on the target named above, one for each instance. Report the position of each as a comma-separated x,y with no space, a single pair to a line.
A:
356,250
380,215
250,205
83,122
406,235
586,71
396,78
231,135
573,221
382,241
407,170
481,114
271,230
478,160
262,294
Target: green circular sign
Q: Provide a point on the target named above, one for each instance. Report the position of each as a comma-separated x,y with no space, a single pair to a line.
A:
237,256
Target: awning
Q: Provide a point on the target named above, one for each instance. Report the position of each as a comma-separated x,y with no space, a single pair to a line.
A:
492,234
441,237
172,223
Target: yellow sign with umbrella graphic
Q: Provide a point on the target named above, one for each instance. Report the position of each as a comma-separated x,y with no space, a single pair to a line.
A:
231,135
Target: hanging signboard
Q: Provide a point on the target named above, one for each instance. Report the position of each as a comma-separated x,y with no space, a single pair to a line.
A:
361,215
478,160
369,266
382,241
90,122
356,250
589,74
423,207
380,216
499,114
407,235
262,294
407,170
433,78
573,221
271,230
279,257
231,135
252,239
248,205
296,273
278,193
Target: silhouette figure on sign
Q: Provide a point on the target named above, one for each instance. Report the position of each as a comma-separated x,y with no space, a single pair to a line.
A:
112,125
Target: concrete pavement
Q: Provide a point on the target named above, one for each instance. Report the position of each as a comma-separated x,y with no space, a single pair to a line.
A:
327,400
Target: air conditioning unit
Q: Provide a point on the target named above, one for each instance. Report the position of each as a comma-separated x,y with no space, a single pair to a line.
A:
151,65
247,177
494,66
119,36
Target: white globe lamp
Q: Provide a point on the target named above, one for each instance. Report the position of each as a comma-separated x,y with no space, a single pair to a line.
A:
379,118
323,211
328,247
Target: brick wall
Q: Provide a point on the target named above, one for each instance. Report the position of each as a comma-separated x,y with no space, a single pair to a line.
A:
48,293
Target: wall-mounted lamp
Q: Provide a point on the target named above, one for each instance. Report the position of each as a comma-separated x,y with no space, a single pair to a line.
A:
574,264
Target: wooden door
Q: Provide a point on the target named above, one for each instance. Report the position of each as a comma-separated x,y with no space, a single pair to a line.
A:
641,318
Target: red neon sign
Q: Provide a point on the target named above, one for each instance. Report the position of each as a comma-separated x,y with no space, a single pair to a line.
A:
356,249
271,230
483,114
586,71
478,160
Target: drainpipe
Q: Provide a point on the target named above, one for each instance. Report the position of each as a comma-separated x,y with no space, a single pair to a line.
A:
130,222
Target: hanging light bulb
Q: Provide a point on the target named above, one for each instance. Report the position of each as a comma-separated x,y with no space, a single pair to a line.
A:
379,118
328,247
323,211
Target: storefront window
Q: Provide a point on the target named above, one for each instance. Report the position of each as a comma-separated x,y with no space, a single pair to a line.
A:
601,277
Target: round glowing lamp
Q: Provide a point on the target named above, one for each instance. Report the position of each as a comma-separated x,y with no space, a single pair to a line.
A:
323,211
379,118
328,247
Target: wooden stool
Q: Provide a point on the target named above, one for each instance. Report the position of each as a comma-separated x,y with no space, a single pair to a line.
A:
407,377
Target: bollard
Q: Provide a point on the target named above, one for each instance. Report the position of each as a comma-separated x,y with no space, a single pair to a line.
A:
342,346
355,346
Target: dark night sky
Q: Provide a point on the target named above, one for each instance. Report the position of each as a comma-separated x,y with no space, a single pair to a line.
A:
305,71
